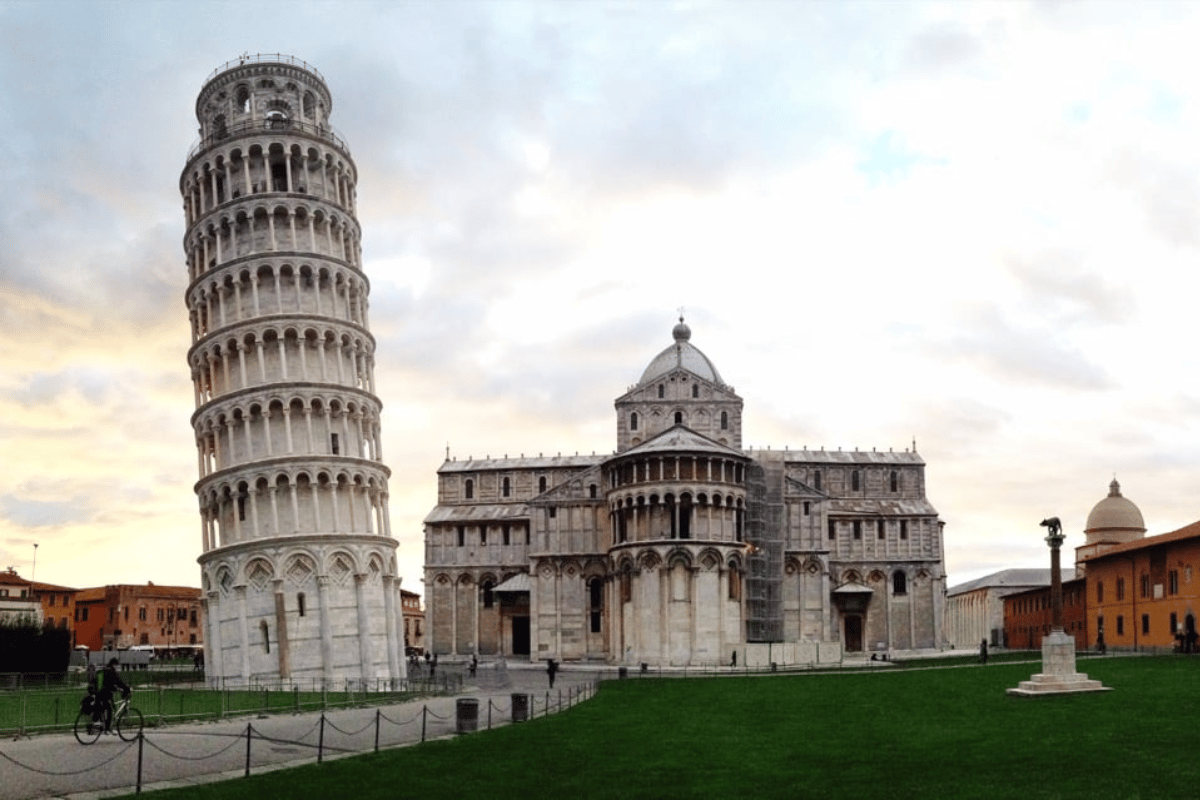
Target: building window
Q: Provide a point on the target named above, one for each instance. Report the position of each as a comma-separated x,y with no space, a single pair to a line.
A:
506,487
552,512
724,420
300,605
483,534
695,390
894,481
592,491
596,602
505,533
806,508
857,529
678,417
1099,591
854,481
1145,586
462,535
817,480
162,615
899,583
333,444
660,391
541,484
266,634
489,597
880,529
51,603
1120,625
526,534
241,508
1120,588
1173,582
83,614
735,584
469,489
903,529
633,421
1145,623
832,530
1174,623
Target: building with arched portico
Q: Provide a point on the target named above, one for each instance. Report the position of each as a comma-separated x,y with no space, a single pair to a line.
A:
682,547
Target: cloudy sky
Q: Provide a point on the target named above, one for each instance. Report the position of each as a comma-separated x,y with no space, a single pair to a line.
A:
970,225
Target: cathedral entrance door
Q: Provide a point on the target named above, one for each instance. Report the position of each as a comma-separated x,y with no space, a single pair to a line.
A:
854,633
520,636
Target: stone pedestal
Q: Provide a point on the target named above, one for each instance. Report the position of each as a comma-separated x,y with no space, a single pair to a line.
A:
1058,675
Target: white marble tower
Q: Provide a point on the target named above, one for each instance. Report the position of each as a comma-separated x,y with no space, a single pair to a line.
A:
298,561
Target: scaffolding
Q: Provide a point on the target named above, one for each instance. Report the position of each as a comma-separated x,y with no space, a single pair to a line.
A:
764,561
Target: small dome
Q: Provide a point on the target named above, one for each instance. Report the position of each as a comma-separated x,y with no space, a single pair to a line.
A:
1115,512
682,354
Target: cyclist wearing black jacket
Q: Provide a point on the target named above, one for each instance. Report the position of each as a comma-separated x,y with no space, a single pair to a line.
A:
109,681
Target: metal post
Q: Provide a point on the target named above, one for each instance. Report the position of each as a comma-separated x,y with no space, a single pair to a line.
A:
489,713
378,714
424,714
141,738
321,741
248,728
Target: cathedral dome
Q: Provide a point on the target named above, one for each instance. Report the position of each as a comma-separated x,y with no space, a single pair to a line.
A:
683,354
1115,512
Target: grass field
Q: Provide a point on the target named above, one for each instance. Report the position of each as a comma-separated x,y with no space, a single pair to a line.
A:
44,711
923,733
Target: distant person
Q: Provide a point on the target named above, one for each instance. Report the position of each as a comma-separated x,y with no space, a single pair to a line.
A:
108,682
474,665
551,670
733,661
983,652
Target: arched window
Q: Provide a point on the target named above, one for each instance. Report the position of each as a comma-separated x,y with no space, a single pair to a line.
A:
592,489
735,583
678,417
695,390
469,489
661,390
489,597
894,480
542,484
506,487
633,421
724,420
243,99
899,583
309,104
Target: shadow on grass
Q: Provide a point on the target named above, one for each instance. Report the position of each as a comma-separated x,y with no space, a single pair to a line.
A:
937,733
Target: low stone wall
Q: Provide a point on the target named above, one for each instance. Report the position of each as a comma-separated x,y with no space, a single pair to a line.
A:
785,654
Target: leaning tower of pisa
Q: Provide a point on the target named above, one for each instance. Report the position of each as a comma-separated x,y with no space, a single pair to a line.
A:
298,561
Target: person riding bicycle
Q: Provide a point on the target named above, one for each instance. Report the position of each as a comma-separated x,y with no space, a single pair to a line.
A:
108,682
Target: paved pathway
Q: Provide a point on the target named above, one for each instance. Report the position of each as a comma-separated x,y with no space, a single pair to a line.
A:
55,765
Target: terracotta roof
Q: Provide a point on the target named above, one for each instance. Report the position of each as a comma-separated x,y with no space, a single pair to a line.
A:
1187,532
50,587
13,579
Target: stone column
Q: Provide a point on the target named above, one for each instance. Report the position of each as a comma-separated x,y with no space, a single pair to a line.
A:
326,627
365,656
281,633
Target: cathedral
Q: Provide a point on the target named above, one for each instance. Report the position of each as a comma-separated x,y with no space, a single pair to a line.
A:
682,548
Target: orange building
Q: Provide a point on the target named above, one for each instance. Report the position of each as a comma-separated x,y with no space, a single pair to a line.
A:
414,621
1028,615
58,604
1146,593
116,617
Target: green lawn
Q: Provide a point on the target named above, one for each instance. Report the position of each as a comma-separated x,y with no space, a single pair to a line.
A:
889,733
42,711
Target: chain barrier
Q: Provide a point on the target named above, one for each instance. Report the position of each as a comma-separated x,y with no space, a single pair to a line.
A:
250,735
85,770
236,741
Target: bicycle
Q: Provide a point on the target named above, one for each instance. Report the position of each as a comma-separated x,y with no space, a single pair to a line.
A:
125,718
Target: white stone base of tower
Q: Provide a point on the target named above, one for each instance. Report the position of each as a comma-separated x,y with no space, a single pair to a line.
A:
1058,675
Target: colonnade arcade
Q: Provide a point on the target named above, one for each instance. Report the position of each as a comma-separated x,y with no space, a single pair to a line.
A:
273,353
280,502
269,164
266,427
686,496
275,226
247,293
